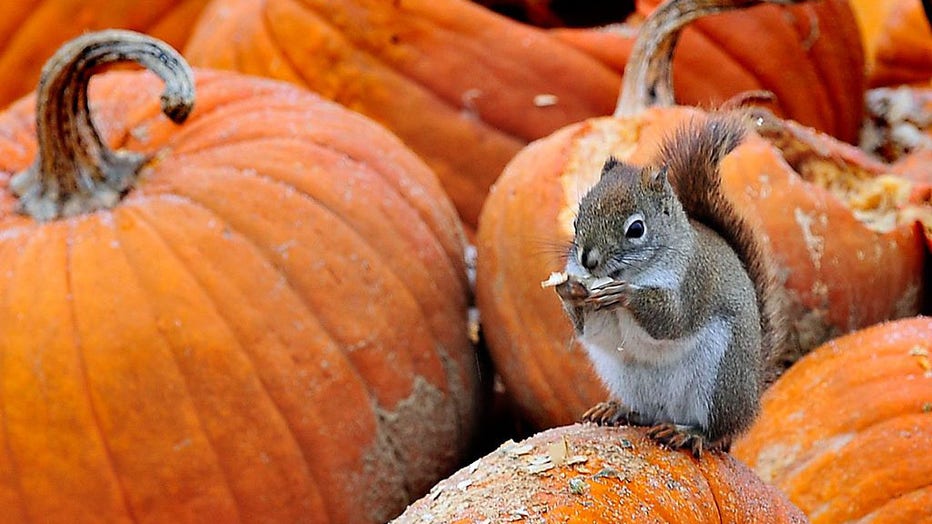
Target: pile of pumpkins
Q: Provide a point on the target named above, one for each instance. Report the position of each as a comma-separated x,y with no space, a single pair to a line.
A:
264,304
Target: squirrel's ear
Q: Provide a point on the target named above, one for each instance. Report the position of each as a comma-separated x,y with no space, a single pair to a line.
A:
656,177
609,164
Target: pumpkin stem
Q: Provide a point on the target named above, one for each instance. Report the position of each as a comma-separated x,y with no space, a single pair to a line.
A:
74,171
648,77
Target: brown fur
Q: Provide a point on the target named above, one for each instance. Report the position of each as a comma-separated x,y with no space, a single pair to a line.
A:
692,155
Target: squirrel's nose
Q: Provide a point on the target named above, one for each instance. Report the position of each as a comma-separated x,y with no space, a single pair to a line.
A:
590,258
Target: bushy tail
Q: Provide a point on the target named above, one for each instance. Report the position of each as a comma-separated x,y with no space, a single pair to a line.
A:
692,155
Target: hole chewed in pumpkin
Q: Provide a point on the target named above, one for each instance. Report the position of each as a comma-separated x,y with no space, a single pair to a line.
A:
876,198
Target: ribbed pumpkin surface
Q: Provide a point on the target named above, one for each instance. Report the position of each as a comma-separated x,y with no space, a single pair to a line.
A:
846,431
270,326
459,84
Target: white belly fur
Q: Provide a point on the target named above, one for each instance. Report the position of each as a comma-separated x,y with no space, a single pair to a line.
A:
662,380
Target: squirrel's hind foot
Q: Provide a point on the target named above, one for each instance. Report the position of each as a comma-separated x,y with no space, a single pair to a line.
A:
678,436
611,413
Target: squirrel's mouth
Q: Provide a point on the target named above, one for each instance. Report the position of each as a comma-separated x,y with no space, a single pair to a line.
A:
588,282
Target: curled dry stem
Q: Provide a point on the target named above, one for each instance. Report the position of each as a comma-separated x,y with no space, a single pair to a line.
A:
648,77
75,171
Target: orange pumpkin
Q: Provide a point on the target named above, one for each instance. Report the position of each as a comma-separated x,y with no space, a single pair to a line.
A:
871,15
259,315
591,474
820,204
902,50
31,30
845,432
809,56
463,87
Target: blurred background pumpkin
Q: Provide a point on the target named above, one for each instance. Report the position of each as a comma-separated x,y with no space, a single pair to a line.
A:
259,315
31,30
467,88
808,55
463,87
765,48
898,39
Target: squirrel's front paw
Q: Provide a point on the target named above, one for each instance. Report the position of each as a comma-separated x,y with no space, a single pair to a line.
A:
611,413
608,295
572,291
678,436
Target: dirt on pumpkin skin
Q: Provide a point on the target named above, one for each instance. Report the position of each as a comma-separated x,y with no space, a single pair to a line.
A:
397,468
510,483
587,472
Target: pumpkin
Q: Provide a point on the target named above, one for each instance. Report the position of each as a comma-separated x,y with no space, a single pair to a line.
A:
33,29
586,473
259,315
845,432
808,55
871,15
902,51
818,204
463,87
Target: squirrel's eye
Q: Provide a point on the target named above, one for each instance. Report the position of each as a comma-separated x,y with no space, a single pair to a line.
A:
635,229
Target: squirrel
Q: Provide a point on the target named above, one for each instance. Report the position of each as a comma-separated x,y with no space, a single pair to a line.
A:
672,294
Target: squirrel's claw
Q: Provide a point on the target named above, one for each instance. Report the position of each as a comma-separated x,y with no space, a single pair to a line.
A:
677,436
610,413
608,295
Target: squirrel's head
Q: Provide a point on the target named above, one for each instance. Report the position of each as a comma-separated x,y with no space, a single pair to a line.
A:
625,220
